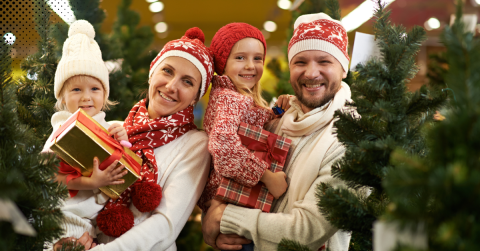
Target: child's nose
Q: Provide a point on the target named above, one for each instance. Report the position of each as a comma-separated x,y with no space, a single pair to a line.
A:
249,64
86,96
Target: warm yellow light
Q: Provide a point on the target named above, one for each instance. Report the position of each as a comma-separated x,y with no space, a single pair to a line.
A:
161,27
9,38
433,23
270,26
156,7
361,14
286,4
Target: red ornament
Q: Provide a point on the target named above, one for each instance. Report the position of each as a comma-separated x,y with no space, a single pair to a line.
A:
146,196
115,221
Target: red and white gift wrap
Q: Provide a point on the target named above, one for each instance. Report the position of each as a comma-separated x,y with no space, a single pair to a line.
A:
266,146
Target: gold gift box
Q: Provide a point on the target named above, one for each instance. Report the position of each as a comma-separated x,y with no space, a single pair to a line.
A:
77,145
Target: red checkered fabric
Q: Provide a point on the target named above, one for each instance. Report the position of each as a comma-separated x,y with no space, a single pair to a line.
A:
256,196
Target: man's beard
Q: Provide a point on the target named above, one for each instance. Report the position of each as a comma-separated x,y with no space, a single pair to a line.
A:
311,102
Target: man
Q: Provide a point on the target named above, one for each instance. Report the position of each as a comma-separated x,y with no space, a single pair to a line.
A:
318,61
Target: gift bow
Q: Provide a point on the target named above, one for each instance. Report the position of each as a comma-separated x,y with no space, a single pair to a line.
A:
268,147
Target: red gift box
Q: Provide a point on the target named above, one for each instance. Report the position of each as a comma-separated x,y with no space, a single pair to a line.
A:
266,146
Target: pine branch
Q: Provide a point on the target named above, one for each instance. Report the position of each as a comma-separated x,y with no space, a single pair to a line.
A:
333,9
288,245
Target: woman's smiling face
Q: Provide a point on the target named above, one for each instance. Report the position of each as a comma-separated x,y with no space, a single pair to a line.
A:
173,87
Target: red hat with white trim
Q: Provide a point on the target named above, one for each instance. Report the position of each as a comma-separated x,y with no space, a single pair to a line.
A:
319,32
192,48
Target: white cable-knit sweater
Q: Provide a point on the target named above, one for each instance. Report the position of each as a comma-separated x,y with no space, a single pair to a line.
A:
183,170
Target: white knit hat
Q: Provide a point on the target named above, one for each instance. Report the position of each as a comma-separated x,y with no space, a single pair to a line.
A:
81,56
320,32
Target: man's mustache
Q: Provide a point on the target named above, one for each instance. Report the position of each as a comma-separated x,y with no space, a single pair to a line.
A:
306,81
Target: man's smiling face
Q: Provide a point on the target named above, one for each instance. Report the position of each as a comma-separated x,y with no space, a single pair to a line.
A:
315,77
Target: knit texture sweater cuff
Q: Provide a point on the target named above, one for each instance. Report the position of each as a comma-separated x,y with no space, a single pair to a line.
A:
239,220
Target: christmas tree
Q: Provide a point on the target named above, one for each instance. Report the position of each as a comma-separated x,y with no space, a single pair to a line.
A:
25,176
382,117
441,189
35,93
124,50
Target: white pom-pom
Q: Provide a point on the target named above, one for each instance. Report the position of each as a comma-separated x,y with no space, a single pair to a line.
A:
308,18
81,27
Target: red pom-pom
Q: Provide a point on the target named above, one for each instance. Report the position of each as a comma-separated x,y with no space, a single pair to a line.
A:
195,32
146,196
115,221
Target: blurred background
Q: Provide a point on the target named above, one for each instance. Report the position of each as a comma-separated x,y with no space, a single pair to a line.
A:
130,34
144,26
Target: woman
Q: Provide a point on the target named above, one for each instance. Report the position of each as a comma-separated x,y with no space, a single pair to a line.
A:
174,152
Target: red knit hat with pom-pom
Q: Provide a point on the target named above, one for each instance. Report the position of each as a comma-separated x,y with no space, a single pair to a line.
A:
191,47
227,37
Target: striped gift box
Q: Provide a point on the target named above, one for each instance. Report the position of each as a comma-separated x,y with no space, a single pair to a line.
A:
266,146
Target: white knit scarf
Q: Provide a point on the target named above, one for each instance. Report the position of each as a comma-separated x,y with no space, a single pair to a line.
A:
297,124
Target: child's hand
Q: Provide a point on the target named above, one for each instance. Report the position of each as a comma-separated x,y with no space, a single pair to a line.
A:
110,176
118,131
283,101
276,182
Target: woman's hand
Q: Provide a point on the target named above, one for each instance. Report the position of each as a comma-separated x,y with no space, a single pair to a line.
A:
110,176
276,182
283,101
85,240
118,132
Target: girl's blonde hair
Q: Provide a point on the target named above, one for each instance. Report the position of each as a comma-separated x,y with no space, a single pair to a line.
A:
60,105
255,93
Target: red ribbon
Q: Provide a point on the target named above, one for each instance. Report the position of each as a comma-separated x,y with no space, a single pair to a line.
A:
268,147
117,154
72,172
254,193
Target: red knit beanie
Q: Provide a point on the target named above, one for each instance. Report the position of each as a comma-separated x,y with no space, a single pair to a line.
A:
191,47
226,37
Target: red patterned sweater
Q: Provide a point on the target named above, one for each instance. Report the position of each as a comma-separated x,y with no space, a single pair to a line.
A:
226,109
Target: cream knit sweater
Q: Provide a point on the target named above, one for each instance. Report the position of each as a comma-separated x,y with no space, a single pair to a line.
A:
183,166
295,215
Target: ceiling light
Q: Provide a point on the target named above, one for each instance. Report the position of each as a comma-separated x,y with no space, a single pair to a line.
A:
151,1
9,38
433,23
63,10
361,14
270,26
286,4
156,7
161,27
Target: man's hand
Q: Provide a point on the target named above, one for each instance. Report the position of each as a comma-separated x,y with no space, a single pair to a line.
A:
231,241
211,223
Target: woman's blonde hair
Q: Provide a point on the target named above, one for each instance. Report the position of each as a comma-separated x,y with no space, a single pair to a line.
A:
61,105
255,93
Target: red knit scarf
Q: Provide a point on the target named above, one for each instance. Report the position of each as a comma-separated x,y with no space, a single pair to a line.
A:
146,135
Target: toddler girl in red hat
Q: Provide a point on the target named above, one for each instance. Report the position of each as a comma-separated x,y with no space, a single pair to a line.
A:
239,55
